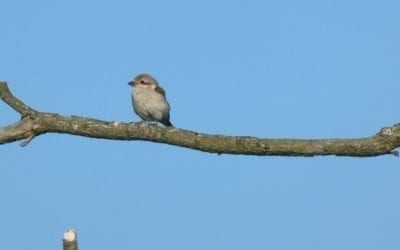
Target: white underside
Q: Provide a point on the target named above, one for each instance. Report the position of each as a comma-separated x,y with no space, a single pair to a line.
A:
149,104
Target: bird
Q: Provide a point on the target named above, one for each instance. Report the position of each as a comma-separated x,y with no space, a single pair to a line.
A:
149,101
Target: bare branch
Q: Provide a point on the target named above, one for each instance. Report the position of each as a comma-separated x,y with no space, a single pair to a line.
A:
35,123
70,240
17,131
11,100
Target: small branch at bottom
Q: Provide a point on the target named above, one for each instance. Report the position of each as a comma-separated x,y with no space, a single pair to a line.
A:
70,240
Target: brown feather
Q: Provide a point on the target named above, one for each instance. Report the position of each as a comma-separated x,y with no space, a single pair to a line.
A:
160,90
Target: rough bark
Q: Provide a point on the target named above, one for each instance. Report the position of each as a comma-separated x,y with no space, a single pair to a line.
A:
34,123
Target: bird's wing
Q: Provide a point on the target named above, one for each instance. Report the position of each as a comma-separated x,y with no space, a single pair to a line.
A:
160,90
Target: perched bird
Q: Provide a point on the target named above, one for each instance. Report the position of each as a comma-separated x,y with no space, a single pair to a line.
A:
148,99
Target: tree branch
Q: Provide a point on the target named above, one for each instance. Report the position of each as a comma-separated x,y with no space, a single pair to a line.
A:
11,100
70,240
35,123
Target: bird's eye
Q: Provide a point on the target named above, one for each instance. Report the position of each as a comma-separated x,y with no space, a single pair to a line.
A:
142,81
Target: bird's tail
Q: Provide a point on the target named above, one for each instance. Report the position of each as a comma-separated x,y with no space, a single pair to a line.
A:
167,123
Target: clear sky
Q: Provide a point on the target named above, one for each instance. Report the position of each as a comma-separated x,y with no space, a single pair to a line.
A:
295,69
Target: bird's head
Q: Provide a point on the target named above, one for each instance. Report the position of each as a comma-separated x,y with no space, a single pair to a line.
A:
143,80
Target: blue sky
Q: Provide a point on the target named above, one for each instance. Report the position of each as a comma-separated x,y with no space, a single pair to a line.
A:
295,69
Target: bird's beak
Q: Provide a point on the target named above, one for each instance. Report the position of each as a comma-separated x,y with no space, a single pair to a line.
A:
131,83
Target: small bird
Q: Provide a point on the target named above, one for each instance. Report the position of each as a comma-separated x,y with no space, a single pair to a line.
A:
148,100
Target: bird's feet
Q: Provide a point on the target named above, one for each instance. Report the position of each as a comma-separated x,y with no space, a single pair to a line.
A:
141,123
